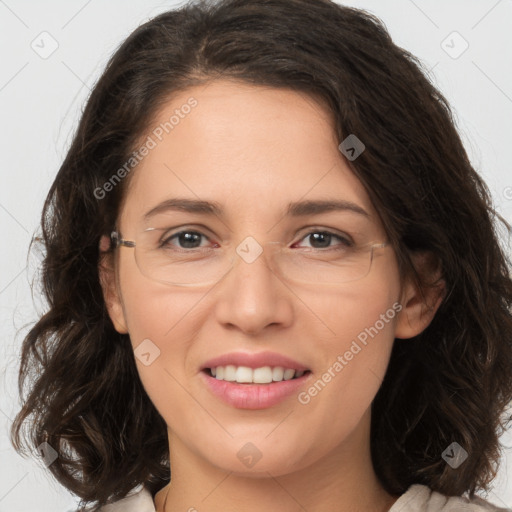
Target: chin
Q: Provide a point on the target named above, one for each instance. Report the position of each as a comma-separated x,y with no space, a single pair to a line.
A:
257,459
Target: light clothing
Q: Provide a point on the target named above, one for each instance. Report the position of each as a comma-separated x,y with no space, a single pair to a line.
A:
418,498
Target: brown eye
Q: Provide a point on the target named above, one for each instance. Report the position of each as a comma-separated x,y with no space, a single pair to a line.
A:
323,239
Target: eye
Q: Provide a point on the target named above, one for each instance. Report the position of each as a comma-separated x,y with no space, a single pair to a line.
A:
184,240
322,239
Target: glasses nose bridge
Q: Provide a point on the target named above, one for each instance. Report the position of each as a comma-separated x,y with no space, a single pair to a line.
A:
250,251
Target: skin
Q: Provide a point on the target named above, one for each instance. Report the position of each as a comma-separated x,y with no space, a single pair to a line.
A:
253,150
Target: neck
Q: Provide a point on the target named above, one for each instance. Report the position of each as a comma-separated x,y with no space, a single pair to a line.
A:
343,481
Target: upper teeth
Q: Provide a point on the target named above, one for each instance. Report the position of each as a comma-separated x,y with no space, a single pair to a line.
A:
262,375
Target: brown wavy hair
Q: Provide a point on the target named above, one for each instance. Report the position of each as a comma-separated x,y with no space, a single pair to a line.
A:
451,383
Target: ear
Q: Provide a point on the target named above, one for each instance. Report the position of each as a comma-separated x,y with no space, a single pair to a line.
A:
419,309
108,281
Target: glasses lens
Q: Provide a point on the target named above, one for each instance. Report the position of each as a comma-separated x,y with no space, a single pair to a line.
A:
336,266
180,260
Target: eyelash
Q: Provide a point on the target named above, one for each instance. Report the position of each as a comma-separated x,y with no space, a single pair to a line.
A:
346,241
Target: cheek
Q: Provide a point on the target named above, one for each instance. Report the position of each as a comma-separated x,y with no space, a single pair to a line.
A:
362,310
161,323
152,309
357,326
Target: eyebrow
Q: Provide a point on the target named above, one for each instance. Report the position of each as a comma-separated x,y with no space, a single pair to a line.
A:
294,209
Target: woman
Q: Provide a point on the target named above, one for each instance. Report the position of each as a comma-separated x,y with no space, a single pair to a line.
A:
274,278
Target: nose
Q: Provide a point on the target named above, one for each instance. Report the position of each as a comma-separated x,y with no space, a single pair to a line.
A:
251,296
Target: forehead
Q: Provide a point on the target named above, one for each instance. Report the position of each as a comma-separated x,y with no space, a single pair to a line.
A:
253,149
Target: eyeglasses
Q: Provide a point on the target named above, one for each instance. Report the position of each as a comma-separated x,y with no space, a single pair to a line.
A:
160,260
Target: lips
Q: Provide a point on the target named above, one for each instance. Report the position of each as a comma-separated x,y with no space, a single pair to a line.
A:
254,395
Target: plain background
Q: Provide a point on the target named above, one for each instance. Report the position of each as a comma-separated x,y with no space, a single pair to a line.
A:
41,98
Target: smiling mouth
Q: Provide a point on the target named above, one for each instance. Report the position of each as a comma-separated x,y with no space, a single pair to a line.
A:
262,375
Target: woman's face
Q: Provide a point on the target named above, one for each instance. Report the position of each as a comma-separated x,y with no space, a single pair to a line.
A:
252,151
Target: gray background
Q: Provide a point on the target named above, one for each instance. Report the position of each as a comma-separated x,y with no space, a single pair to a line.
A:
41,97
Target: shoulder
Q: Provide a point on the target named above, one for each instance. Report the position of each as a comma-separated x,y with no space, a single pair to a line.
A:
139,500
420,498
